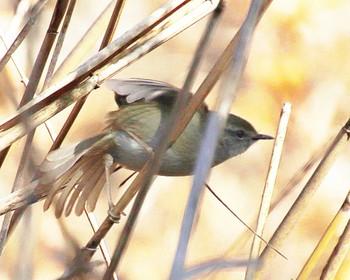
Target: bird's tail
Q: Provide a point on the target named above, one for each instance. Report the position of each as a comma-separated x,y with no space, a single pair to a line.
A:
78,172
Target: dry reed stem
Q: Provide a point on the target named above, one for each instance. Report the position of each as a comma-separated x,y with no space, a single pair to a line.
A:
38,67
214,127
87,41
44,52
161,145
108,36
56,98
59,43
30,89
75,56
242,239
81,81
341,250
132,190
23,34
339,220
269,187
103,247
304,198
17,66
29,92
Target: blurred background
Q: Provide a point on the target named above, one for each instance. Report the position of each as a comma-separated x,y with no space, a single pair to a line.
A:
300,54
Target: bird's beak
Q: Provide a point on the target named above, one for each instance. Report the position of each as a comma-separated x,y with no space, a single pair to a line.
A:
262,137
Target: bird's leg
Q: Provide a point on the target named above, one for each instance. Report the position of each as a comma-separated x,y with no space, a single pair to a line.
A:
130,193
108,162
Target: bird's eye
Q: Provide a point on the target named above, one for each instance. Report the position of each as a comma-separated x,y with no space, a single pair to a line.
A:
240,134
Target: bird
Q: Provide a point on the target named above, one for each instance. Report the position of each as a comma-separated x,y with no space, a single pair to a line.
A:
76,174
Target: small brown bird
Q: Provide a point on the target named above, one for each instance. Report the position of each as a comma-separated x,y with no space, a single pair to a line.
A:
78,172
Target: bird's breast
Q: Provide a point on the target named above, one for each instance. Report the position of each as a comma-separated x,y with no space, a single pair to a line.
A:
136,129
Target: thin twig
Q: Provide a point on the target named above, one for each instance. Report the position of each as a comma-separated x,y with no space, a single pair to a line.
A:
239,219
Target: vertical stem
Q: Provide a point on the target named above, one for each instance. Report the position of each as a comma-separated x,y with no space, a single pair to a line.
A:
305,196
268,190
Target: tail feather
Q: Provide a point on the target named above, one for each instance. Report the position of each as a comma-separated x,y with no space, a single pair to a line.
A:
59,184
66,192
81,201
57,171
77,171
88,173
95,193
59,157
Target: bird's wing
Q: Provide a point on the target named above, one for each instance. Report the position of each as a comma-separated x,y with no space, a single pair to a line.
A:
142,90
134,117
